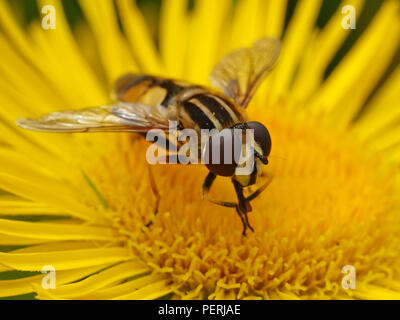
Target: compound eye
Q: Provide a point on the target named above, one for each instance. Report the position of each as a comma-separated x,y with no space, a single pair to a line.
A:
219,153
261,136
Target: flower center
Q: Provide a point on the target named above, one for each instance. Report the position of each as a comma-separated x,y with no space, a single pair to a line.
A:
330,204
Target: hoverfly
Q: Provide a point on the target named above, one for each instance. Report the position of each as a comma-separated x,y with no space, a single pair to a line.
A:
146,102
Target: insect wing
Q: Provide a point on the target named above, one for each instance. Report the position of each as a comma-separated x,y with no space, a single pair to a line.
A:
119,117
240,73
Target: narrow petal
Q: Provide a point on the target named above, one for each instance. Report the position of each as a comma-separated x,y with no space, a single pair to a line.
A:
206,27
47,247
54,231
383,111
298,35
125,288
25,285
348,73
244,31
9,240
354,100
35,192
17,35
23,79
373,292
173,36
64,260
152,291
25,146
100,280
275,17
113,48
12,205
15,164
84,84
320,53
139,37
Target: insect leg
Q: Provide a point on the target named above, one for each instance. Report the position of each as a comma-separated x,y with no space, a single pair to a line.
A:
244,206
241,211
253,196
243,220
156,193
259,190
206,188
247,221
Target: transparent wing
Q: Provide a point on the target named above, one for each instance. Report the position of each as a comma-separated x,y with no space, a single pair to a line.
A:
240,73
119,117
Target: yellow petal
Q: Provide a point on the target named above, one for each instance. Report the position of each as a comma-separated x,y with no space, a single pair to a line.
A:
245,30
59,246
12,205
25,285
112,46
100,280
26,146
15,208
64,260
373,292
298,34
354,100
54,231
275,17
23,79
149,292
139,37
9,240
320,52
15,164
125,288
346,76
36,192
383,111
85,86
173,33
206,27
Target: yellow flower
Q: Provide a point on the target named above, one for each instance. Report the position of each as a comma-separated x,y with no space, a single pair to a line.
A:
79,202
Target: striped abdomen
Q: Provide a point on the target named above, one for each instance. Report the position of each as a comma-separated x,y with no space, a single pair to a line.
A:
193,106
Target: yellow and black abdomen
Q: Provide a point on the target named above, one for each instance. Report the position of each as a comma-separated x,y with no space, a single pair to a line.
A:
209,110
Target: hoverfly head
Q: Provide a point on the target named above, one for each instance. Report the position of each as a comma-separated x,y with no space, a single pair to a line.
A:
228,153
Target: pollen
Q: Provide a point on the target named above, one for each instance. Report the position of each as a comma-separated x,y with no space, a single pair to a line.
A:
330,204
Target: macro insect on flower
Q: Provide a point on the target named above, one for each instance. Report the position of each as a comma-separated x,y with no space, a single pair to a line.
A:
79,203
147,102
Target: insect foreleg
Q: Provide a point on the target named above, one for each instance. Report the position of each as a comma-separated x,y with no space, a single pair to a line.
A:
243,219
259,190
206,188
243,207
242,213
153,186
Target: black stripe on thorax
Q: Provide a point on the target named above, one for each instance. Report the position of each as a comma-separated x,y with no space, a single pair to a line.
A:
215,108
198,116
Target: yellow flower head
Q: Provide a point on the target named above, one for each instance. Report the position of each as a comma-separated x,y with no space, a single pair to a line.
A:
79,203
